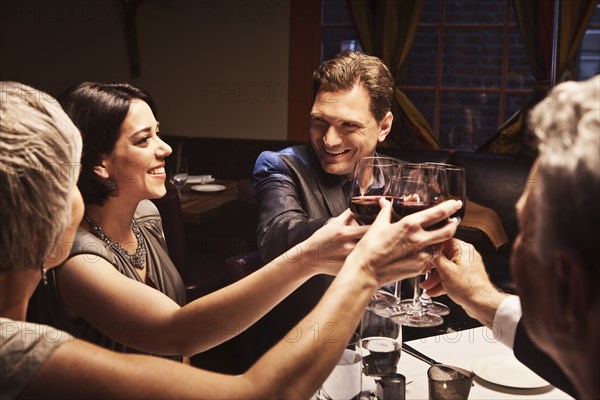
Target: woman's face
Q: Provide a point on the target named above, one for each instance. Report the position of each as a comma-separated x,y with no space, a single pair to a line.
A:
61,250
137,163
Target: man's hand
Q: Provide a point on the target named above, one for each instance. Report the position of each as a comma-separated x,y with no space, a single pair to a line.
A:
461,274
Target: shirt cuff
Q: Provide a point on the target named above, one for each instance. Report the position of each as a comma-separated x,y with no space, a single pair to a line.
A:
506,319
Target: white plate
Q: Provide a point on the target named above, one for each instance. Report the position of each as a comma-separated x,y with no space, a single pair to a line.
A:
200,179
506,370
208,188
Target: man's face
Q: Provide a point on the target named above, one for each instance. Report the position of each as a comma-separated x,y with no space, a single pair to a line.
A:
343,129
536,283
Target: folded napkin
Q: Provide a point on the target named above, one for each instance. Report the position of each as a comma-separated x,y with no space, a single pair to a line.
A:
200,179
486,220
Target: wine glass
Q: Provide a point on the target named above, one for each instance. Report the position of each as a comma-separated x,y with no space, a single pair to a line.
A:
456,187
179,175
420,187
372,179
453,177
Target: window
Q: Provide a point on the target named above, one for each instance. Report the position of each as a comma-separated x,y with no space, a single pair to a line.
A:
467,71
337,28
589,53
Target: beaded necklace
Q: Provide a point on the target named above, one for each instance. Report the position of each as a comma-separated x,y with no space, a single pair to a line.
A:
138,258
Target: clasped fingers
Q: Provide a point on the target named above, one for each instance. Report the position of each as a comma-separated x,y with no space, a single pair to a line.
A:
410,264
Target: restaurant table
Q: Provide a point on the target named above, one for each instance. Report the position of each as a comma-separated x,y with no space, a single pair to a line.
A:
199,207
460,349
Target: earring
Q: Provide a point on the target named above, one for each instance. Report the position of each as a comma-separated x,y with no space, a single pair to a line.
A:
44,276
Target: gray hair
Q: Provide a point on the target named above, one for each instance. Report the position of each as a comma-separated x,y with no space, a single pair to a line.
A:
567,124
40,150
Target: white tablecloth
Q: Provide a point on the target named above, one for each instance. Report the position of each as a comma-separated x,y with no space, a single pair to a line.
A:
460,349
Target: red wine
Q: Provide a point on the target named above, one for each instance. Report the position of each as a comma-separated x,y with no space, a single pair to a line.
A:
383,357
365,208
404,208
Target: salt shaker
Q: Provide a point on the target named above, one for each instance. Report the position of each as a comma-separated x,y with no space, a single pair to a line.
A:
391,387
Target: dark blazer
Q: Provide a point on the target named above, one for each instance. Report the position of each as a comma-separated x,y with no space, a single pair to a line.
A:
295,198
539,362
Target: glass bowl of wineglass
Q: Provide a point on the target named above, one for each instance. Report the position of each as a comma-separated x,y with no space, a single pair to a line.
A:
179,175
372,179
452,178
420,186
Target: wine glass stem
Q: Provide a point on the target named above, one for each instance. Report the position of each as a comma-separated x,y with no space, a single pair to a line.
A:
425,298
420,305
397,293
416,293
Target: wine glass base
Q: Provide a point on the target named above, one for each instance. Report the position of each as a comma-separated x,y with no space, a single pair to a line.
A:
435,308
380,302
416,320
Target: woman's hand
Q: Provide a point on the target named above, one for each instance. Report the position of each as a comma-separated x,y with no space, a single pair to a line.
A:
395,251
327,248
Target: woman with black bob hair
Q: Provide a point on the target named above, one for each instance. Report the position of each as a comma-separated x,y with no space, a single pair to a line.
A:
99,125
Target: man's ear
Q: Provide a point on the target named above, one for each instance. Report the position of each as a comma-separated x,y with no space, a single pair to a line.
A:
385,126
101,171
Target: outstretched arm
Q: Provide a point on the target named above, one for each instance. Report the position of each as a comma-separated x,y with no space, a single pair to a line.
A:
141,317
292,369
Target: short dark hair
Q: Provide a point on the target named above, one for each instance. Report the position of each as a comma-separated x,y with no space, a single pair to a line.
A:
98,110
351,68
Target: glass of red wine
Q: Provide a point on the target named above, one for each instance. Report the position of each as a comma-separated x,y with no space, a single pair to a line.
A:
456,186
373,178
421,186
453,178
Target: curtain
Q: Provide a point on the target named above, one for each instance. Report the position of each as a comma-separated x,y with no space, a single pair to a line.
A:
536,21
386,29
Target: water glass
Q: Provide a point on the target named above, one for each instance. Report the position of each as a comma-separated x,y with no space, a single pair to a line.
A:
345,381
380,355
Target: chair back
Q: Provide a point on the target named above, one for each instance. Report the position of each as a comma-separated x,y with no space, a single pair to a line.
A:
248,212
172,222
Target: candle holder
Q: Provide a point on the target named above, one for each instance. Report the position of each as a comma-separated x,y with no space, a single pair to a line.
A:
449,383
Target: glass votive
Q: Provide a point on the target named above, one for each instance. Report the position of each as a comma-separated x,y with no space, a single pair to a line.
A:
449,383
